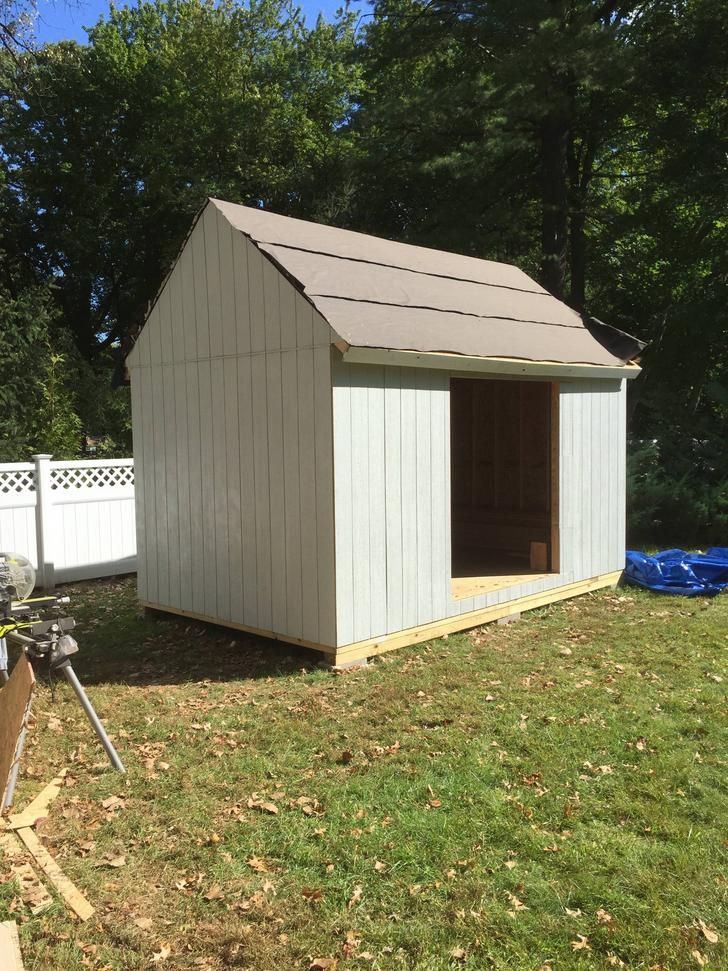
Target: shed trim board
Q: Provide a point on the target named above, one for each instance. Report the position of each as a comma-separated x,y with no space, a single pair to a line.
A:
296,484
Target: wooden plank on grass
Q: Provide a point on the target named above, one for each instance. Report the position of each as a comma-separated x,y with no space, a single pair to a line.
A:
10,957
32,891
38,808
70,893
14,710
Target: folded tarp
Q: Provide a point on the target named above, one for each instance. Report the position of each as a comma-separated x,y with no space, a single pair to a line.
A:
678,572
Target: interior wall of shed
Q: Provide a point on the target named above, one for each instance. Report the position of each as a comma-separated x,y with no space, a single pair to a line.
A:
502,468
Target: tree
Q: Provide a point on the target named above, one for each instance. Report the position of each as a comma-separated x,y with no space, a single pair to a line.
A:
115,145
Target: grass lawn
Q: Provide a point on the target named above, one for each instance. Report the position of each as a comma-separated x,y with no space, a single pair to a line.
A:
547,794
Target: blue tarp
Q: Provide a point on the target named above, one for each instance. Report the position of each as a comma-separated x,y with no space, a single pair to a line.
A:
678,572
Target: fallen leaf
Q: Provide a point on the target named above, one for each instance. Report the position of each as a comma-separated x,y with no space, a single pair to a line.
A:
356,896
380,867
708,933
162,954
573,913
143,923
214,893
264,807
255,863
581,943
112,861
458,953
312,893
323,964
515,902
699,958
603,917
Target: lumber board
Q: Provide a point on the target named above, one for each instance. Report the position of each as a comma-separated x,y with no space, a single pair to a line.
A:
473,618
68,890
32,890
38,807
10,957
15,700
424,632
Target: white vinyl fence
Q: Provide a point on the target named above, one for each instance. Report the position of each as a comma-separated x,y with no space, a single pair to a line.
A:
73,520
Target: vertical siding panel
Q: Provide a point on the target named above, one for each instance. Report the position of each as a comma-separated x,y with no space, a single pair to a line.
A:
621,486
137,407
185,274
343,504
212,276
276,486
227,286
271,305
199,274
262,491
242,292
440,517
423,383
393,495
359,378
408,498
292,494
196,472
233,489
248,493
160,481
307,495
170,488
289,331
207,459
257,311
186,566
218,473
377,504
325,495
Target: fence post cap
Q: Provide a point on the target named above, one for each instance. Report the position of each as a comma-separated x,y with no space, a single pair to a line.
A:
37,458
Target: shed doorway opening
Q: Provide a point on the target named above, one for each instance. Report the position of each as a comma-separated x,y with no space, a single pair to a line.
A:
504,489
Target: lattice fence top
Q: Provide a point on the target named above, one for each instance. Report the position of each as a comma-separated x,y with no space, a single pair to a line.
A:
17,481
96,477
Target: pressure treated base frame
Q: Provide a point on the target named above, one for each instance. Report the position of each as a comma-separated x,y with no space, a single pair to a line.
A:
361,650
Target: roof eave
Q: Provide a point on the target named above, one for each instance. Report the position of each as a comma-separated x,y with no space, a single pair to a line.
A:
486,365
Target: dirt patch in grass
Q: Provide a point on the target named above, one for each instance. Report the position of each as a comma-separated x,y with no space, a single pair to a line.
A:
548,794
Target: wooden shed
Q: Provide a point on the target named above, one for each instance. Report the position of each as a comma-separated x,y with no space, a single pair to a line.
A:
355,444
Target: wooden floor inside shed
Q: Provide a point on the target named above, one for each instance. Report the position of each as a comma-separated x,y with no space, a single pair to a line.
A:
475,575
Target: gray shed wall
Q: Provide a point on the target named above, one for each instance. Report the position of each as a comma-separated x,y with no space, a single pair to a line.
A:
392,496
231,401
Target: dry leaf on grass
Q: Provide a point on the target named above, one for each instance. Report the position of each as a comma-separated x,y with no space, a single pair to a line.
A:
162,954
603,917
109,860
708,933
323,964
214,893
700,959
312,893
458,953
581,943
356,896
264,807
143,923
255,863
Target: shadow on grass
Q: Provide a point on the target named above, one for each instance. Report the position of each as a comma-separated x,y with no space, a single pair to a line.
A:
120,643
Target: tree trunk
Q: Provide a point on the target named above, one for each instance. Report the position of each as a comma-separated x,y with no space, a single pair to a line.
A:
577,253
554,205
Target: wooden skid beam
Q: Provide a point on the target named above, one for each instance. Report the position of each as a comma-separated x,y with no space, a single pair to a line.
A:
474,618
361,650
68,890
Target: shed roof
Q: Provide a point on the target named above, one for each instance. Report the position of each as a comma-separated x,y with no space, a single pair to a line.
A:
376,293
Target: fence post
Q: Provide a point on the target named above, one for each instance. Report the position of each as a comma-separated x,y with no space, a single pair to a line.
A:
44,531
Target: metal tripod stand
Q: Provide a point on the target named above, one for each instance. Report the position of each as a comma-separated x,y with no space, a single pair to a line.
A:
49,640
